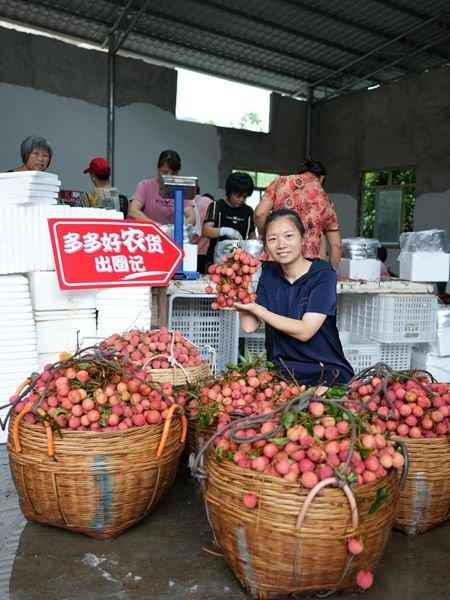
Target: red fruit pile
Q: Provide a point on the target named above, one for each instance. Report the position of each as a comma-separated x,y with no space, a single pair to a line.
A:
88,397
241,392
311,446
232,279
411,407
153,349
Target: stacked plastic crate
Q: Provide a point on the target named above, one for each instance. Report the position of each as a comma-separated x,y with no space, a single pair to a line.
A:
394,321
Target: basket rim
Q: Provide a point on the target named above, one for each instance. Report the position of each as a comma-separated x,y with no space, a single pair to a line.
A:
431,441
103,433
291,485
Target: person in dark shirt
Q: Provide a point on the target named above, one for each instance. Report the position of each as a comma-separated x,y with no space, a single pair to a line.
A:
296,299
230,218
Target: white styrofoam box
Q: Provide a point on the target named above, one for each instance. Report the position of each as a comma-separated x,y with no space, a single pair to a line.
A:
397,356
364,268
25,237
46,294
438,366
46,358
359,351
389,318
203,326
57,330
190,257
441,346
424,266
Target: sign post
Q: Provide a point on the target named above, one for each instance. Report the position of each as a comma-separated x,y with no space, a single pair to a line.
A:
96,253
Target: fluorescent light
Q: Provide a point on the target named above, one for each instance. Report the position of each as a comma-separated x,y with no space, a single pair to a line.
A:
373,87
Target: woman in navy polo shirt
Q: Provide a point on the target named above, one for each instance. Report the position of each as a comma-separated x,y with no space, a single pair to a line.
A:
296,299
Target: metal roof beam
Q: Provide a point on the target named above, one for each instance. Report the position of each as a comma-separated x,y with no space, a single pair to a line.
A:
371,54
309,7
182,46
237,38
280,28
368,76
133,22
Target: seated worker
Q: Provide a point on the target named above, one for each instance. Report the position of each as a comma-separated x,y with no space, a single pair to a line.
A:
296,299
147,204
230,218
103,195
36,154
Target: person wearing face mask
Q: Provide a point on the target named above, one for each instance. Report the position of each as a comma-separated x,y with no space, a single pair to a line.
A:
230,218
36,154
103,195
147,204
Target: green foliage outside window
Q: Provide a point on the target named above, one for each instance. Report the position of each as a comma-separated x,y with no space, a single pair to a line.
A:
404,179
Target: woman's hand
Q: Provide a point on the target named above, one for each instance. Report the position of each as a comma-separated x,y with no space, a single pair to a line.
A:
251,307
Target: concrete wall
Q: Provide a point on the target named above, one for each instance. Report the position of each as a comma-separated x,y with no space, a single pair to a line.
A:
396,125
58,90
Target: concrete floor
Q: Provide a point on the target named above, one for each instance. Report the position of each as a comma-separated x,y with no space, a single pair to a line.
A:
162,558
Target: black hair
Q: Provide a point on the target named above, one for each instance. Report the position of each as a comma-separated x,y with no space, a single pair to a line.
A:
104,175
170,157
208,195
313,166
280,213
32,142
239,183
382,253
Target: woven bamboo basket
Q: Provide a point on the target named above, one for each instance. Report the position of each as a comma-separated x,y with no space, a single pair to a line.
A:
177,376
270,557
195,435
425,499
101,483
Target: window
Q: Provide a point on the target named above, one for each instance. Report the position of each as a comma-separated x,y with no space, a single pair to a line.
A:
388,204
215,101
261,181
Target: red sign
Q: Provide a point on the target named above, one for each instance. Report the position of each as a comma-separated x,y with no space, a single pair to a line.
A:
95,253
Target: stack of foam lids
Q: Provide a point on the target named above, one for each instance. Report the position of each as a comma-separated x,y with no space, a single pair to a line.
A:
18,352
24,237
121,309
29,187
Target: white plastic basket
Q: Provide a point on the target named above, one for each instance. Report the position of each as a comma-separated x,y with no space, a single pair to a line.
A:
254,342
389,318
397,356
360,352
203,326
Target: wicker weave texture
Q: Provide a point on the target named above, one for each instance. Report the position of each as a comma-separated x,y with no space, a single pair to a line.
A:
425,499
177,376
101,483
195,435
262,546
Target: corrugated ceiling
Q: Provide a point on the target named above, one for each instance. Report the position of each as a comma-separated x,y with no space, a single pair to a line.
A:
283,45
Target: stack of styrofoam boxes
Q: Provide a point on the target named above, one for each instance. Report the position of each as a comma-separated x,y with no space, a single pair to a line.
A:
395,321
18,353
435,356
63,318
34,187
25,239
120,309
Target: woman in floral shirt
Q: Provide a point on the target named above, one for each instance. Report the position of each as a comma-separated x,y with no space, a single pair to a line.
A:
304,194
